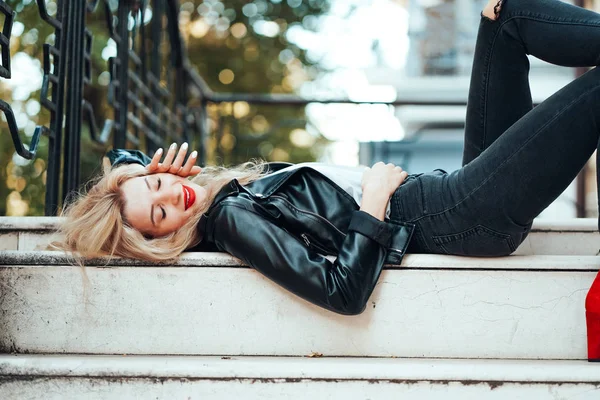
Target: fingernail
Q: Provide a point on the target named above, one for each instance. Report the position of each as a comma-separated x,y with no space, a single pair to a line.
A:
173,146
194,154
184,145
159,151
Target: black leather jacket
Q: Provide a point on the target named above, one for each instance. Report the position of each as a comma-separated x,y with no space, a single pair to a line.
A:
284,225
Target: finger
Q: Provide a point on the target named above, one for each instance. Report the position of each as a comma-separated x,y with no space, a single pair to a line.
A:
179,160
166,164
187,168
195,170
155,160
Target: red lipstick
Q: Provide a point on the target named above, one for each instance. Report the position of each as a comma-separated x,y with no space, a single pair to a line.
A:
189,196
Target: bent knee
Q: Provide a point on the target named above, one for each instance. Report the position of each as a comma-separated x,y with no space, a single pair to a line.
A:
492,9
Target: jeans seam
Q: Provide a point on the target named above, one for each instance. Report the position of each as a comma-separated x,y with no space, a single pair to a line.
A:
423,200
486,83
423,241
484,92
544,126
546,19
472,231
417,233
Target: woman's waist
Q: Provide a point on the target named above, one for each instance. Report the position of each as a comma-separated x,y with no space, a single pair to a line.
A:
419,194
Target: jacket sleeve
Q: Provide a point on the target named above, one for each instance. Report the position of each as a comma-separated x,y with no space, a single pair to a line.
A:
342,286
122,156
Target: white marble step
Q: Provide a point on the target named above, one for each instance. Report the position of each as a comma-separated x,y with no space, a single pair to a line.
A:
168,377
27,233
517,307
560,237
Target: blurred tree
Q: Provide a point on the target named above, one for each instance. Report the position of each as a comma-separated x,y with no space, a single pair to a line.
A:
236,45
241,46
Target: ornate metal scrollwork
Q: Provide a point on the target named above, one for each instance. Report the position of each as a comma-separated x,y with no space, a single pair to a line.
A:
92,5
50,78
9,16
147,89
155,111
24,151
46,17
27,152
88,114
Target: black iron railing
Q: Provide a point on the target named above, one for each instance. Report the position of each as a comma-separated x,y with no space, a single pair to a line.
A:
146,112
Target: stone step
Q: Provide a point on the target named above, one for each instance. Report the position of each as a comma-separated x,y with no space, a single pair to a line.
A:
516,307
171,377
577,236
27,233
560,237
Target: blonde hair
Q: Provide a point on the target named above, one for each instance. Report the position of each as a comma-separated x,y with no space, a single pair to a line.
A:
94,225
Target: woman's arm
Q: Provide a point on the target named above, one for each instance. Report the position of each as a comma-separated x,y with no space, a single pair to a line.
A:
342,286
374,202
378,185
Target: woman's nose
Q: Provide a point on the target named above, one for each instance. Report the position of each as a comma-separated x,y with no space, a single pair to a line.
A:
170,195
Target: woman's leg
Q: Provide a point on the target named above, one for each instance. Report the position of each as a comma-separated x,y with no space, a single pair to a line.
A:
518,159
499,93
487,207
535,159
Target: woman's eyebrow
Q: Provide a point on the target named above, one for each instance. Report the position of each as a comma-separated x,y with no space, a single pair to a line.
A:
151,208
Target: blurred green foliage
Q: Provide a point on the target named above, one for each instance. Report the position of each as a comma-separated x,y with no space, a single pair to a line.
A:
236,45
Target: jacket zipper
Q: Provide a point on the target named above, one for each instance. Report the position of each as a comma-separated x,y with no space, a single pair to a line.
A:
310,213
320,249
303,236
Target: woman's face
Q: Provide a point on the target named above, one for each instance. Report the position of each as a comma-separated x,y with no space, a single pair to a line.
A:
159,204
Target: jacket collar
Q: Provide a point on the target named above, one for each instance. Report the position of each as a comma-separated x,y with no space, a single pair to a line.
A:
260,188
232,188
269,184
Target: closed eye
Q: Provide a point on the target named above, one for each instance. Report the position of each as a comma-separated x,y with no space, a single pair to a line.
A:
158,185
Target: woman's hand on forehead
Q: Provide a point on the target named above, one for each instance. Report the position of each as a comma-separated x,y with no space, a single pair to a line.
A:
174,165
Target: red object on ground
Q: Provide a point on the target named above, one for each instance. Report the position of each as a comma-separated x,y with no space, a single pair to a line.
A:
592,318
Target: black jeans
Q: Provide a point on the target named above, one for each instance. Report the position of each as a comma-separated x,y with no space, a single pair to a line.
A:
517,158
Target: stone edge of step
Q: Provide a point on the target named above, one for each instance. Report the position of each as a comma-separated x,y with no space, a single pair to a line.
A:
539,225
324,368
40,259
29,223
